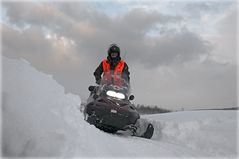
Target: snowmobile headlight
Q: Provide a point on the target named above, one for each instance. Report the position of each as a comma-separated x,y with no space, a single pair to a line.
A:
115,94
111,93
120,95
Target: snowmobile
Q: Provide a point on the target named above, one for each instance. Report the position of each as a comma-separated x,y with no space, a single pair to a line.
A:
109,109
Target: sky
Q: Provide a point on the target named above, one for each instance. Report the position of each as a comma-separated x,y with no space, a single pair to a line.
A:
181,54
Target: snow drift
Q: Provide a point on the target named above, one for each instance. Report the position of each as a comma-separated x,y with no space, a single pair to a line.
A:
40,120
34,111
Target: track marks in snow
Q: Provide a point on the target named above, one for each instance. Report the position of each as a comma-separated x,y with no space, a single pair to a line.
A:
208,133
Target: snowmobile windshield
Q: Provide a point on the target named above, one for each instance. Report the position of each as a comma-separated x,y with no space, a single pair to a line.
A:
114,87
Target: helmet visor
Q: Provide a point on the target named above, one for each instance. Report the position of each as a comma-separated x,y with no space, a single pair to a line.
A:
114,54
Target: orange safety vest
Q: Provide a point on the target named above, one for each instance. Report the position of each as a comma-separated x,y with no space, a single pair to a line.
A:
116,78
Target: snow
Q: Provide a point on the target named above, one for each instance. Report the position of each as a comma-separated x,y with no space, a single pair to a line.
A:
212,133
40,120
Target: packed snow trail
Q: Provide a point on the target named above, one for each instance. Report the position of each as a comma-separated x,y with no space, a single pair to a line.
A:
40,120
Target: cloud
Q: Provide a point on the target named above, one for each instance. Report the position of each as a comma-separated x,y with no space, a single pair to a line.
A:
33,45
179,48
93,31
27,42
228,22
33,13
142,20
199,9
195,86
225,41
69,39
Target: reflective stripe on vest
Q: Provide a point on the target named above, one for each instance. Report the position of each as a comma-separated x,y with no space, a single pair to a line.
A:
117,71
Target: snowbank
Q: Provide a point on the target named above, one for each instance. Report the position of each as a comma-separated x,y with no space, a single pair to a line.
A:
210,133
34,111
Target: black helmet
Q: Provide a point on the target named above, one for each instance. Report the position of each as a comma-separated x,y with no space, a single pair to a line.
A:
113,48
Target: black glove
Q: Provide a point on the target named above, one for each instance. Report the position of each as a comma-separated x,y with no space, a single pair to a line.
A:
98,81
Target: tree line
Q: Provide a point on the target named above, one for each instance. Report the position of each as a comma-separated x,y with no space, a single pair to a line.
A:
150,109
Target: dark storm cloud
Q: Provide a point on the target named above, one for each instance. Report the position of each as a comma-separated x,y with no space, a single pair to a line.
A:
177,48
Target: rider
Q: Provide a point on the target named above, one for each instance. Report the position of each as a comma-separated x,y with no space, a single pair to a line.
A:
113,66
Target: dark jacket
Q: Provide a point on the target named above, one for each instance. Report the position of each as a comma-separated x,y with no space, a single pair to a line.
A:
113,63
